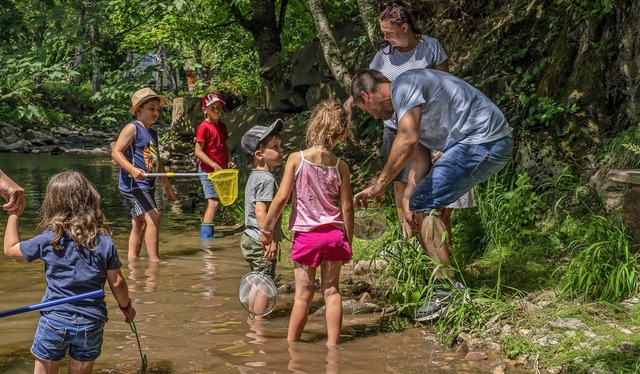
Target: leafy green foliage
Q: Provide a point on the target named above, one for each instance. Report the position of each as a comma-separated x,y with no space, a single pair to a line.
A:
587,10
605,267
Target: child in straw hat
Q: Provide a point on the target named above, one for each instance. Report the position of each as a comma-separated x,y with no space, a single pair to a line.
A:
136,151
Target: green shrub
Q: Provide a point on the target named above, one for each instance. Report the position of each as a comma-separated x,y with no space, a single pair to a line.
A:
605,267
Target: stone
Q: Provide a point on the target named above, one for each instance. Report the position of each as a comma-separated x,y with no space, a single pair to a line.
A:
476,356
568,323
186,115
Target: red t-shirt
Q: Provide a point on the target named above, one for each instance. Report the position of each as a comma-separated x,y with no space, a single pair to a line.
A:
214,136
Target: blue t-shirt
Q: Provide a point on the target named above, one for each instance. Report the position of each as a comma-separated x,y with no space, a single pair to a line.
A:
73,270
453,111
143,154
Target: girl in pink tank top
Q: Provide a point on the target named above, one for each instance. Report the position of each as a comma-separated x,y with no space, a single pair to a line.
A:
321,217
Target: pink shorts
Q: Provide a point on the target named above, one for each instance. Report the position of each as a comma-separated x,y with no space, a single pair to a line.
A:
324,243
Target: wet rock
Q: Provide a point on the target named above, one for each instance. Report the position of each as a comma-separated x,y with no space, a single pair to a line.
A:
19,145
287,288
360,287
38,138
476,356
628,348
365,298
367,266
555,370
8,133
630,302
353,307
568,323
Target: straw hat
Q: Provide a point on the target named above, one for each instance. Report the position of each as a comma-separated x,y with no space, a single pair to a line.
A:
143,95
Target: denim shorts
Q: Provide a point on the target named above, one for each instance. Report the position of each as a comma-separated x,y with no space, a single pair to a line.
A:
207,186
324,243
59,332
459,169
388,136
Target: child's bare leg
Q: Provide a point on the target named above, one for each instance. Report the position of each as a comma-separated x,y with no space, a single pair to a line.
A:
138,226
210,211
330,273
152,234
304,277
80,367
46,367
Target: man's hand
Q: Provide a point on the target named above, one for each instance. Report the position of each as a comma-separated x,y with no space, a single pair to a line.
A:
362,197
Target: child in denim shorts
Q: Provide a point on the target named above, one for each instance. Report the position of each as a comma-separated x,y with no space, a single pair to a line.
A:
79,257
321,217
213,155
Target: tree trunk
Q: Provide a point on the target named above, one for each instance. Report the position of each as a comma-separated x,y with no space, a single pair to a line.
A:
159,65
94,35
263,26
329,46
82,36
197,58
164,67
173,85
369,17
38,38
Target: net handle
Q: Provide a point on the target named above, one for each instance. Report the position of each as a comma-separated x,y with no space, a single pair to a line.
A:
172,174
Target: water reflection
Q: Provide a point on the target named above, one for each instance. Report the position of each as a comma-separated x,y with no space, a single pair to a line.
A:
300,353
143,275
189,318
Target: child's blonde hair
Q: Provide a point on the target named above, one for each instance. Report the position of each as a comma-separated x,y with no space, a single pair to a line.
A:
72,205
328,121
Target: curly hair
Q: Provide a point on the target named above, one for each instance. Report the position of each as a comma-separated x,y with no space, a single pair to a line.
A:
72,205
328,121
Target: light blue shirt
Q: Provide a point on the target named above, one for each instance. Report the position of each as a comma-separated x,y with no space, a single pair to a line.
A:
453,111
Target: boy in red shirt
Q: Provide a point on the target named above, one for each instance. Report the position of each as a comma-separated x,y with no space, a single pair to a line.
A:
212,151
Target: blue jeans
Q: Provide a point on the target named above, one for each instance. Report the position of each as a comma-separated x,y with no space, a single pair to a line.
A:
60,331
459,169
207,186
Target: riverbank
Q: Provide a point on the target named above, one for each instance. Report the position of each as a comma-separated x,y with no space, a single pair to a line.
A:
540,330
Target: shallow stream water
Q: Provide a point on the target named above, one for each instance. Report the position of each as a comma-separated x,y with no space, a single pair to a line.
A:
189,319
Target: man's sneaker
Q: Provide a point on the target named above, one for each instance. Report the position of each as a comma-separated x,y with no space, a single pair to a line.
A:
435,306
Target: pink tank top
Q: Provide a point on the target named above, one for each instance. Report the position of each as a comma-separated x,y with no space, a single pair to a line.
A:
315,197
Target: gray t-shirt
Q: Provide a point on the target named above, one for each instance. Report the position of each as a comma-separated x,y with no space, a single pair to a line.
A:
391,62
453,111
261,186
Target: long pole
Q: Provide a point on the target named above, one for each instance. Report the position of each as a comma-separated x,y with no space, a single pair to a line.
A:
170,174
88,295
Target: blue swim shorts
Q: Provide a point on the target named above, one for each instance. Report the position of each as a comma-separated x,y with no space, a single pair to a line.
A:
459,169
59,332
139,201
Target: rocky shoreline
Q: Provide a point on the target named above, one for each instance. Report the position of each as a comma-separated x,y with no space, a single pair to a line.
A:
56,140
